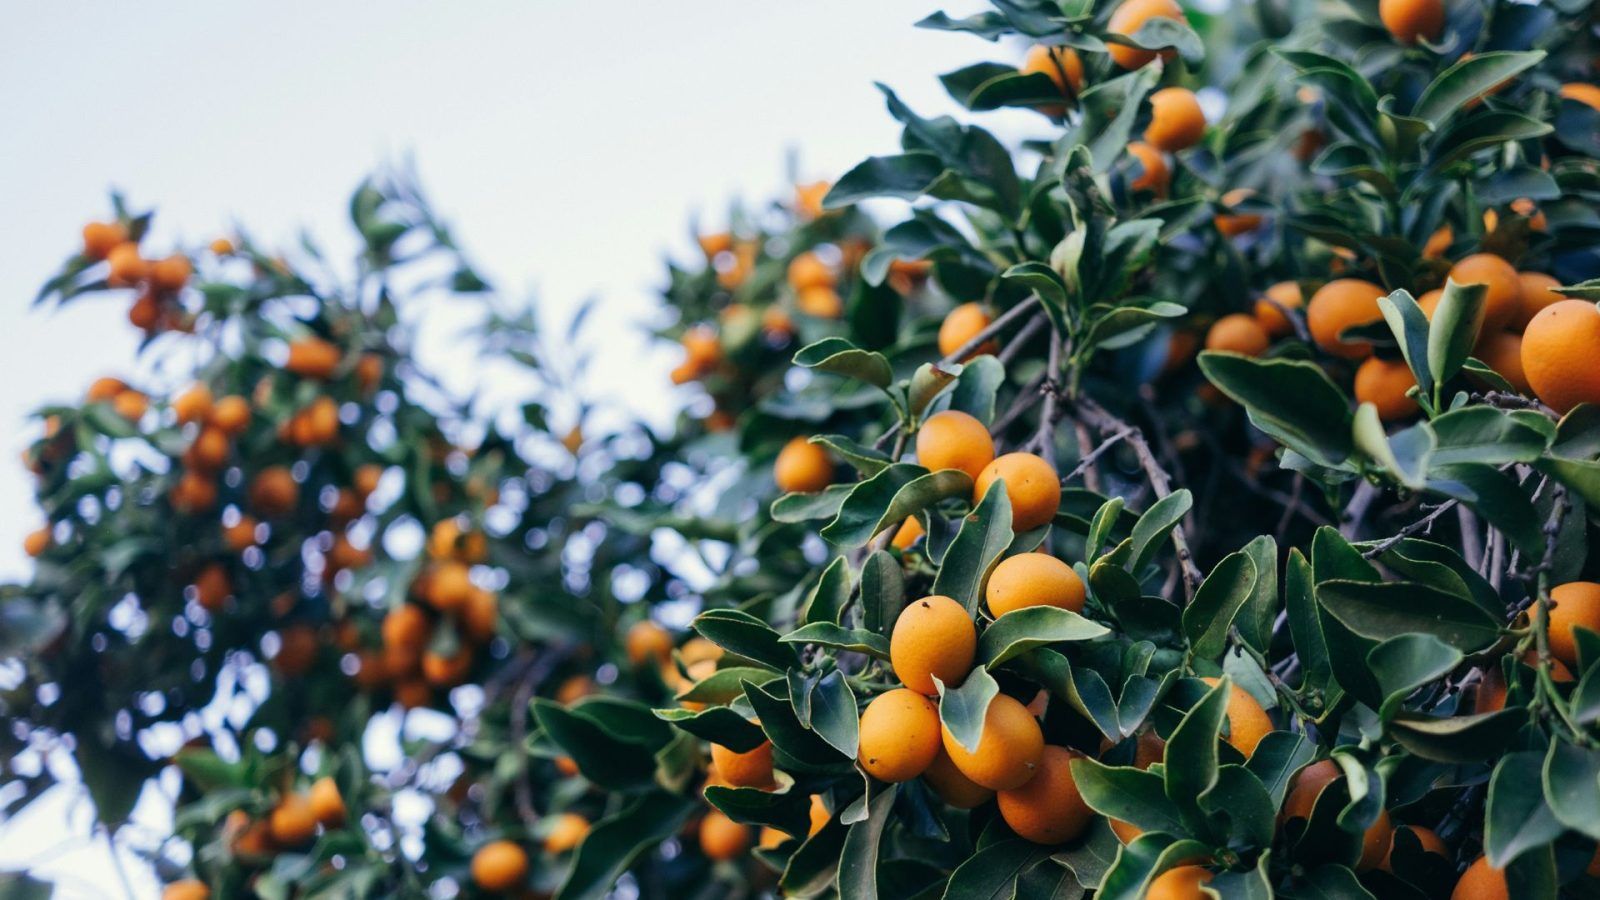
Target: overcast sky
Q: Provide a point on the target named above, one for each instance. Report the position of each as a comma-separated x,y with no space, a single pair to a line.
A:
568,143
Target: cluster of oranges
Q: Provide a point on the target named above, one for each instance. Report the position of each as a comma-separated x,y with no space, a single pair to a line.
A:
501,866
158,281
291,824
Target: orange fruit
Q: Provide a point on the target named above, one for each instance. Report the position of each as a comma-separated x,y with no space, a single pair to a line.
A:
1537,291
131,405
1048,809
715,243
1009,747
103,389
193,405
1481,881
172,273
898,736
209,451
1233,224
1410,21
567,830
297,650
1176,120
802,467
808,198
499,866
752,768
313,357
953,787
369,371
1375,843
127,266
188,889
1061,65
1338,305
446,671
567,766
292,822
1126,832
1502,352
1248,723
961,325
1182,883
1238,333
908,533
1575,604
480,615
100,238
721,838
1127,18
37,542
211,586
1490,695
1438,242
274,492
1032,485
326,803
954,440
1285,294
821,302
1308,785
1587,94
1033,579
933,637
699,649
1154,176
231,414
406,626
1558,354
1383,383
807,270
702,348
1503,290
648,642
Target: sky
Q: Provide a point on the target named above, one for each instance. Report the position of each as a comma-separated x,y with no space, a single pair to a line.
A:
568,143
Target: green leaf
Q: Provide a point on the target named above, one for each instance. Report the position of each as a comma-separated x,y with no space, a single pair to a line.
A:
717,724
793,508
888,497
830,595
1155,525
863,459
603,759
834,714
906,176
1469,79
1404,663
992,872
1292,400
788,811
926,384
1304,625
1454,330
1458,739
858,861
1405,456
1208,619
1493,495
883,591
746,636
840,357
831,634
1261,608
1516,817
984,536
1410,326
1127,794
1022,630
1382,611
962,709
617,840
1191,757
1480,131
1572,786
724,685
976,387
1483,434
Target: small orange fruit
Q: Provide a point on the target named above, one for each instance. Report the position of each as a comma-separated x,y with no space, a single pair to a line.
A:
960,326
131,405
807,270
37,542
953,787
1503,290
1285,294
292,822
1410,21
1431,843
1502,352
954,440
721,838
1383,383
1033,486
326,803
1587,94
1481,881
1048,809
752,768
1338,305
100,238
647,642
231,414
1033,579
1008,749
211,586
193,405
499,866
274,492
933,637
1127,19
908,533
1182,883
1307,787
1238,333
566,832
1154,176
1538,291
172,273
898,736
802,467
1558,353
1061,65
313,357
1575,604
127,266
188,889
821,302
1248,723
1176,120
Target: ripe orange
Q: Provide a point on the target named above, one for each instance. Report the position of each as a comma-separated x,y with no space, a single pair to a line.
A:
1383,383
648,642
1032,485
961,325
1033,579
188,889
721,838
1502,352
1308,785
932,637
104,389
1558,354
211,586
1338,305
807,270
274,492
1238,333
193,405
1008,749
231,414
313,357
1176,120
1375,843
908,533
1438,242
898,736
702,348
1233,224
1575,604
447,671
566,832
1285,294
499,866
821,302
1154,176
406,627
297,650
1126,21
954,440
1538,291
37,542
1503,290
127,266
808,198
326,803
715,243
1410,21
172,273
752,768
100,238
1481,882
1587,94
210,450
953,787
1048,809
1061,65
292,822
1248,723
802,467
1182,883
131,405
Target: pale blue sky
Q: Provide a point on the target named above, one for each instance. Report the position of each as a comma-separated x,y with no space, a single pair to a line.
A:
568,143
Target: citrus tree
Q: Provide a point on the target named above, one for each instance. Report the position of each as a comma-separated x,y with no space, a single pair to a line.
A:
1192,499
